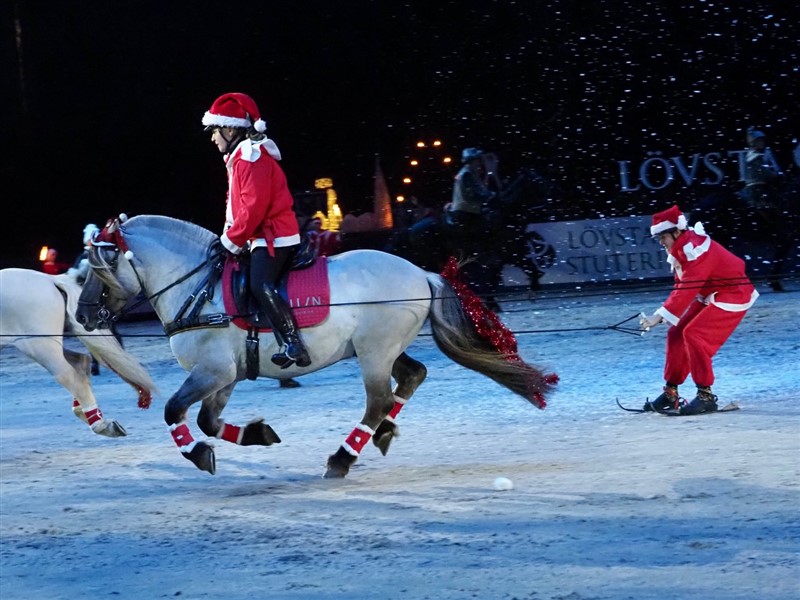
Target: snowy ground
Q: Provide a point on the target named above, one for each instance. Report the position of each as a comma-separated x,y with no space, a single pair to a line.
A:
605,505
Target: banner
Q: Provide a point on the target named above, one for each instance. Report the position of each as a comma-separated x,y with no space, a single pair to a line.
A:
599,250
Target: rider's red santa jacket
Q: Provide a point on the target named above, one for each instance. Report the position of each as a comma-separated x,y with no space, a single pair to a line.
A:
707,272
260,207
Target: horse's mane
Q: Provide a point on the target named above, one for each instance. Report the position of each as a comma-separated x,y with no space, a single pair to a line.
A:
173,234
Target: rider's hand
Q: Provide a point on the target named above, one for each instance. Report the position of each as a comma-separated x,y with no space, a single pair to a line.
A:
647,322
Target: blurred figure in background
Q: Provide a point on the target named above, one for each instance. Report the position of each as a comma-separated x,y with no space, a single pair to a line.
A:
763,195
51,265
468,218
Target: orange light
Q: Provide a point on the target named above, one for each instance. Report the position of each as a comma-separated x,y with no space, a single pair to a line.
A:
43,253
414,163
401,198
447,160
420,144
437,143
406,179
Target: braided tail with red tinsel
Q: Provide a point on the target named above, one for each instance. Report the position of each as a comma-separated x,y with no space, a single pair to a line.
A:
469,333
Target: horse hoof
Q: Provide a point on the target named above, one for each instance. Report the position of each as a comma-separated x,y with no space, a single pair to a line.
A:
384,435
258,433
339,464
110,428
334,473
116,430
202,455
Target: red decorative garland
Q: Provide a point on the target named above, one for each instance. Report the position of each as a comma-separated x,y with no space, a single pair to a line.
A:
491,328
487,323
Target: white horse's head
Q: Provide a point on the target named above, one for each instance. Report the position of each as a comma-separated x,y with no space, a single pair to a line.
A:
142,255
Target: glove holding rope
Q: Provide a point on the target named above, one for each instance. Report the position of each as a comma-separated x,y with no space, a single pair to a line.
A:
646,323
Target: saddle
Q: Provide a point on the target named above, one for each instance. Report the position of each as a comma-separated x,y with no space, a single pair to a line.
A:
304,287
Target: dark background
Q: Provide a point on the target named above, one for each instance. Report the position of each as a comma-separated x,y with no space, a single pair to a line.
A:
102,101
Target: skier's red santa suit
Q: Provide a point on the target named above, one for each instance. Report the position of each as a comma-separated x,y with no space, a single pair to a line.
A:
709,299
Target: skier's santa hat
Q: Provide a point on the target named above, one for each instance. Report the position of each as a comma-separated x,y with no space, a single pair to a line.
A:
672,218
234,110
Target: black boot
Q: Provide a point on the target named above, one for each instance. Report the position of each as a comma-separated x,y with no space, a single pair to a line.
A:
668,399
280,315
704,402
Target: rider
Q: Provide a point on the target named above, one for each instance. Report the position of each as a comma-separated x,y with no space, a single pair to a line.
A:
763,195
259,212
470,199
468,213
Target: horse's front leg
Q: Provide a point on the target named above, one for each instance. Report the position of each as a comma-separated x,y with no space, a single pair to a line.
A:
255,433
202,383
84,404
379,403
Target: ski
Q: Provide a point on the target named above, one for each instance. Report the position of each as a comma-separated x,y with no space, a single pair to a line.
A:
674,412
677,413
633,410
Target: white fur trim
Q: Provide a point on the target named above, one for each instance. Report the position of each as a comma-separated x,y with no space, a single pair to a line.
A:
665,225
271,148
129,255
667,316
693,252
229,245
729,307
278,242
698,228
365,429
212,120
260,126
251,151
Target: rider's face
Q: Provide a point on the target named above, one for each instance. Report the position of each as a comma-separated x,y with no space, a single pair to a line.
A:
667,239
221,136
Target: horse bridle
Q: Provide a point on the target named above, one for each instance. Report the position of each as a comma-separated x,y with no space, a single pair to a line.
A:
111,237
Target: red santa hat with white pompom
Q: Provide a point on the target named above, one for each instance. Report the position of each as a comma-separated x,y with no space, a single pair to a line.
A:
234,110
672,218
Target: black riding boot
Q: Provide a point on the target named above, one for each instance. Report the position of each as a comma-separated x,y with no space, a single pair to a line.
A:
280,315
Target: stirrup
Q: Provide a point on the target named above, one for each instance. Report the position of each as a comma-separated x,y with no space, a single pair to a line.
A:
284,358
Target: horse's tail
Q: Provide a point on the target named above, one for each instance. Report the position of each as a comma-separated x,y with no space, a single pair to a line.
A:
486,347
105,347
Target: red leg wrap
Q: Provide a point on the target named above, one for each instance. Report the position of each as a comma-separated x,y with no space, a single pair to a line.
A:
76,404
182,436
94,415
231,433
357,439
399,403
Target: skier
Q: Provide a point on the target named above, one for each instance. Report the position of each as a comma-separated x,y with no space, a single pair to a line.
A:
709,299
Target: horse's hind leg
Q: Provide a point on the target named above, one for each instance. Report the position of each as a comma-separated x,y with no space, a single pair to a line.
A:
255,433
409,375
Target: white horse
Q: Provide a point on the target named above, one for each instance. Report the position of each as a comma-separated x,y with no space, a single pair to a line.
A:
34,309
378,304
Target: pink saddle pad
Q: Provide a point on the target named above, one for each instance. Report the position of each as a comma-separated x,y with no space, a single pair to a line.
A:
307,291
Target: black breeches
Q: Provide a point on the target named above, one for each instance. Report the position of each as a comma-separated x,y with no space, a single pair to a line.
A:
266,269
